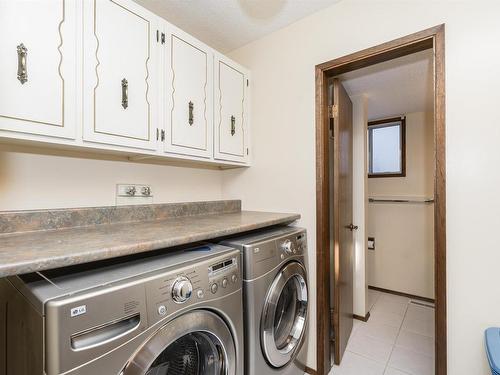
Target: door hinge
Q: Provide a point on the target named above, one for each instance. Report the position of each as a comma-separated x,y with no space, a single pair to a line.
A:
332,319
163,135
162,38
248,82
333,111
157,134
157,36
247,151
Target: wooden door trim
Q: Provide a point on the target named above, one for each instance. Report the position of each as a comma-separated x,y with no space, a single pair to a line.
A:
429,38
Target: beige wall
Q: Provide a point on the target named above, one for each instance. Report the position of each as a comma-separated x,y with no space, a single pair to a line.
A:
283,175
404,233
403,259
34,181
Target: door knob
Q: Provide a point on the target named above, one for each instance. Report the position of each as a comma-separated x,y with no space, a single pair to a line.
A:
351,227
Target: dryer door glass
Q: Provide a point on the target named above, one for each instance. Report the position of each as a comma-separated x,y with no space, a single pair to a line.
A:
196,343
284,316
193,354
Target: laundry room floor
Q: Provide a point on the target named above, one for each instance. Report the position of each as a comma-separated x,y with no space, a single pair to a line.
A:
398,339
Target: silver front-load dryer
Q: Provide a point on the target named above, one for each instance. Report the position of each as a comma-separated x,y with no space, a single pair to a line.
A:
275,300
170,314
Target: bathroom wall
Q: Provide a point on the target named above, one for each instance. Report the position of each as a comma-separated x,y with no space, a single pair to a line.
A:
403,259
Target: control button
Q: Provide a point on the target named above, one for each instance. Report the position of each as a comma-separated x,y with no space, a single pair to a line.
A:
200,293
224,282
287,246
234,278
182,289
162,310
213,288
282,256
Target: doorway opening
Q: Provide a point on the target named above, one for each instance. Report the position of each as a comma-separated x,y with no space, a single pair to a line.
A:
386,142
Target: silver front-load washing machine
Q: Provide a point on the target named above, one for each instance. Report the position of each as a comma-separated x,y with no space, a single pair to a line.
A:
275,300
170,314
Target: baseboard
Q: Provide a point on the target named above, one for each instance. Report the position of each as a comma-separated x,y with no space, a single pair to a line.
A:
362,318
431,300
309,370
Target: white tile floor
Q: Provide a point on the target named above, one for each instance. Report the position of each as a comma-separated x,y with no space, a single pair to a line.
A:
398,339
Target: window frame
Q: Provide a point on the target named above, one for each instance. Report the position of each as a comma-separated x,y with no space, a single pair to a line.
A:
384,123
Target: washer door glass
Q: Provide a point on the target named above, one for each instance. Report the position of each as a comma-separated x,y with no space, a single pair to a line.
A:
284,316
193,354
196,343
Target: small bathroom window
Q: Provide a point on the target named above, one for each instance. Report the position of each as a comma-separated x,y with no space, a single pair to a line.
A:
386,148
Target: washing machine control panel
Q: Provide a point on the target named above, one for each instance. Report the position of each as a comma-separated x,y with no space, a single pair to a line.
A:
223,275
287,246
182,289
295,244
170,292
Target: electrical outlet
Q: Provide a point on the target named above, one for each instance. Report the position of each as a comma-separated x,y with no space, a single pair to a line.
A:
130,194
371,243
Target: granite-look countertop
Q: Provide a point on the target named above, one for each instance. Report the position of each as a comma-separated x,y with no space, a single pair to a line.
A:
29,251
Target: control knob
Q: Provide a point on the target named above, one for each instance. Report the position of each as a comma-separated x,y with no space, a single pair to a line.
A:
286,246
182,289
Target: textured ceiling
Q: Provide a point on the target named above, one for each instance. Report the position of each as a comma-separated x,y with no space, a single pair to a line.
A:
228,24
395,87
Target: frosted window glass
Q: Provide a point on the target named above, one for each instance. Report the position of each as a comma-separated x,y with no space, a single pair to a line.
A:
385,152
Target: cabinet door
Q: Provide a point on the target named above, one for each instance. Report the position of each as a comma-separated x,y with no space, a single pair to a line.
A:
120,63
38,67
231,111
189,77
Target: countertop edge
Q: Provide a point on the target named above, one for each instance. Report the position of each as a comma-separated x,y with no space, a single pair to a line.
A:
136,248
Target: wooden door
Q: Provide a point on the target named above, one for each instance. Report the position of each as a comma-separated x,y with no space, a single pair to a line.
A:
120,74
231,111
343,243
189,96
38,67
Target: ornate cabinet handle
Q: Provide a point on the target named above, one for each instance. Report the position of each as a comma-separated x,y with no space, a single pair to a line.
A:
22,70
233,125
191,115
124,93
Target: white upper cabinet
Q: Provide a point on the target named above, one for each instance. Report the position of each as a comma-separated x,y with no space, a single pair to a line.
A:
111,75
38,67
188,95
120,74
231,115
